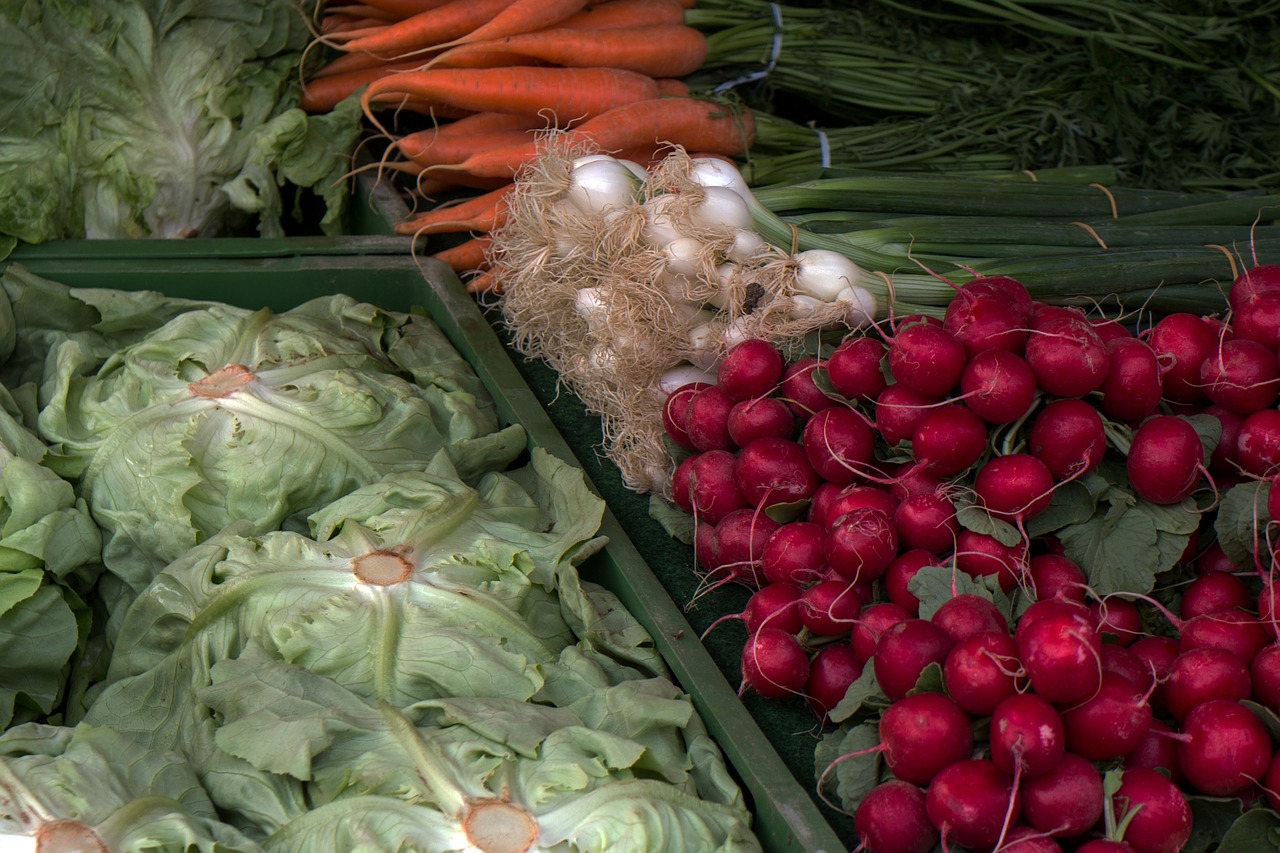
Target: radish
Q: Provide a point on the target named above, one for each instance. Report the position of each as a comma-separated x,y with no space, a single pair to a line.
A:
1224,748
1158,816
1060,649
978,555
776,605
1027,735
1241,376
794,554
831,671
759,417
752,368
1124,663
1166,459
948,440
1068,437
1028,839
737,544
839,443
706,419
910,479
774,664
927,521
1213,560
1066,800
855,368
1226,454
1234,630
1213,593
968,614
1119,620
904,651
856,496
674,411
1133,387
861,544
1110,723
923,733
1251,284
892,819
899,574
898,411
1203,675
831,608
713,485
982,670
990,313
1270,783
1056,576
1157,654
800,392
773,471
1157,751
1258,443
680,494
1264,673
1014,487
926,358
972,803
998,386
1105,845
1182,342
874,622
1067,357
1259,320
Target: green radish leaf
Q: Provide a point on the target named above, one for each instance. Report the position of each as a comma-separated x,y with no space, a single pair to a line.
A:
1118,549
930,680
1209,429
1072,504
1211,819
1241,515
1269,717
785,512
934,586
851,777
975,518
1255,831
865,692
678,523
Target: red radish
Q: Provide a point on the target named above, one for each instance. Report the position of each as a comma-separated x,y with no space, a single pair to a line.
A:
861,544
1258,443
706,419
898,411
680,495
831,608
840,444
972,803
1061,652
1159,817
737,545
1110,330
1056,576
1270,783
1133,387
898,577
674,411
1067,357
1166,459
903,653
978,554
1214,593
1027,732
774,664
1236,631
912,479
1119,619
1264,672
1269,604
856,496
948,439
1110,723
1252,283
873,623
1182,342
981,671
1014,487
1213,560
990,313
1241,376
752,368
1225,748
1027,839
704,539
923,733
774,606
831,671
713,485
760,417
998,386
1158,751
1104,845
892,819
793,554
855,368
773,471
1259,320
926,358
927,521
1124,663
799,391
1225,458
968,614
1066,800
1157,654
1068,437
1202,675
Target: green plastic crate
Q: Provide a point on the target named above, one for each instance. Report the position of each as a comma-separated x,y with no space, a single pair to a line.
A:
786,817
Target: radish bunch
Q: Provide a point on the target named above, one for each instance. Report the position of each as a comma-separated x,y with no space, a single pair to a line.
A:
935,517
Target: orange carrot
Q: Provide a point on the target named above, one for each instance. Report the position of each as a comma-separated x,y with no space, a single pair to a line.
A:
484,282
522,16
695,124
568,92
333,24
321,94
431,148
626,13
481,213
361,10
425,29
471,256
488,121
674,88
405,8
660,50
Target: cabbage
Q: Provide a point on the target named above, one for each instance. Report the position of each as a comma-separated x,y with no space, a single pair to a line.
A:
160,118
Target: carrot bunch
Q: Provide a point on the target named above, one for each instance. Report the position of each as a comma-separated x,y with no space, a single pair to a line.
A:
489,76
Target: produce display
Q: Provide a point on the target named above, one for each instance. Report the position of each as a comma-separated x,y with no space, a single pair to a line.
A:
387,646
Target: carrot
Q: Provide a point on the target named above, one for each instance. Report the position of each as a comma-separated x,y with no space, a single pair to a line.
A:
481,213
425,29
675,88
431,148
659,50
321,94
626,13
488,121
334,24
695,124
569,92
522,16
467,257
484,282
405,8
361,10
